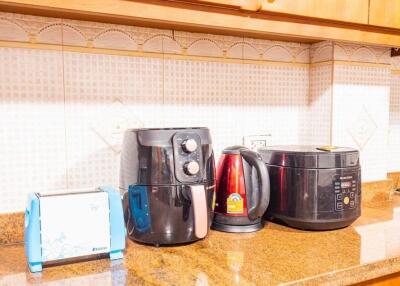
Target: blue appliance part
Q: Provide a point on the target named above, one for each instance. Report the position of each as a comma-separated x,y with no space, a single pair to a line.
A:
32,237
117,224
139,207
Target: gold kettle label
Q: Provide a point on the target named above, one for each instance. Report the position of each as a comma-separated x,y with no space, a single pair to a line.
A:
234,204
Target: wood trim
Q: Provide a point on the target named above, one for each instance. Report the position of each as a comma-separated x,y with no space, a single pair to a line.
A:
388,280
238,22
351,63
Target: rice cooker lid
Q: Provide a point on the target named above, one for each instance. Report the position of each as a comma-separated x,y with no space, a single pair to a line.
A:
313,157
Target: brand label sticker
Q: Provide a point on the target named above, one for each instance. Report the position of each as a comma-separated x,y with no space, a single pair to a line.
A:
213,201
234,204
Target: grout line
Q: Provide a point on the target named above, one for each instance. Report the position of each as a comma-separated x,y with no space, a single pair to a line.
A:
331,101
65,108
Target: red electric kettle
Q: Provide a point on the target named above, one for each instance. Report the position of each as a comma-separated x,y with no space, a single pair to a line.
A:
242,191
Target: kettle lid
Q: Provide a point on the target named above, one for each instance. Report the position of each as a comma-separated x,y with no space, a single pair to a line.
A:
234,149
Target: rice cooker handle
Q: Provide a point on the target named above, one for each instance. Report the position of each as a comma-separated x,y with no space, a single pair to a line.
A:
263,194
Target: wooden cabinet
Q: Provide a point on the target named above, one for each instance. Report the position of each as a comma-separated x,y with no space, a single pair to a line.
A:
251,5
385,13
237,17
355,11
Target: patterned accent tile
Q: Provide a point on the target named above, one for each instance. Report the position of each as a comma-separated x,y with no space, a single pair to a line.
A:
356,88
162,44
359,53
205,47
362,129
72,36
243,51
303,56
115,39
51,33
278,53
113,121
321,52
10,31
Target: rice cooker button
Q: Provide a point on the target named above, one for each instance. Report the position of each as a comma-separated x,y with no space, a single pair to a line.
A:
339,197
346,200
352,204
352,194
339,206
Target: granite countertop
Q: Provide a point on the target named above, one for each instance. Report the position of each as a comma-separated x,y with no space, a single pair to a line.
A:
368,249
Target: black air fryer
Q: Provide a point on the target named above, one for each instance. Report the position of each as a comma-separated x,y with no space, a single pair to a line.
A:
315,188
167,178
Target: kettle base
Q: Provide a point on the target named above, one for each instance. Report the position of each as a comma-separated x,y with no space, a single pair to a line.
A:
237,228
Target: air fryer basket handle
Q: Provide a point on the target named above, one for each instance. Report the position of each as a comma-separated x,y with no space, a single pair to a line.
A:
199,201
262,198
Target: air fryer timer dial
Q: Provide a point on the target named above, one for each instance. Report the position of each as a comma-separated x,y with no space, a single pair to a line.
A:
187,157
189,145
191,168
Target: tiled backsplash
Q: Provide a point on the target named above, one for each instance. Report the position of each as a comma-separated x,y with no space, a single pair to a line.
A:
64,107
394,121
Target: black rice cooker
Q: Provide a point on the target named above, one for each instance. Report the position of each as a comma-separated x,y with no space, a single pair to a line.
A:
315,188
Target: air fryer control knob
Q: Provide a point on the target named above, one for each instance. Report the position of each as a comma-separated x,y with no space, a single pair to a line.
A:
191,168
189,145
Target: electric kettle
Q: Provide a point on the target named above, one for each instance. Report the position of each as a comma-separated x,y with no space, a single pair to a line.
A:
242,191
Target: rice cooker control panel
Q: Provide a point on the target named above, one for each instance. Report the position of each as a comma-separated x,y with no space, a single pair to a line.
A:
345,187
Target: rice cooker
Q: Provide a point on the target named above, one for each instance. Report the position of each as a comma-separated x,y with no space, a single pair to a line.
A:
315,188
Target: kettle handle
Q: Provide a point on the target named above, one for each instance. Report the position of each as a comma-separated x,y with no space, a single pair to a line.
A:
199,203
263,196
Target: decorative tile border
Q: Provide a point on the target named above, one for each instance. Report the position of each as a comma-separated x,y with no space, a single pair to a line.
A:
321,52
361,53
44,30
102,37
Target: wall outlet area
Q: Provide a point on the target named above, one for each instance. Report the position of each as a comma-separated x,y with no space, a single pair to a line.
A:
254,142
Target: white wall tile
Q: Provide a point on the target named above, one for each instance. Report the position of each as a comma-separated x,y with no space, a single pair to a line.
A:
319,105
93,83
207,94
394,124
274,101
31,125
361,115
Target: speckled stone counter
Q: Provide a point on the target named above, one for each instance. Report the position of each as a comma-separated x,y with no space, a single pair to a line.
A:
368,249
